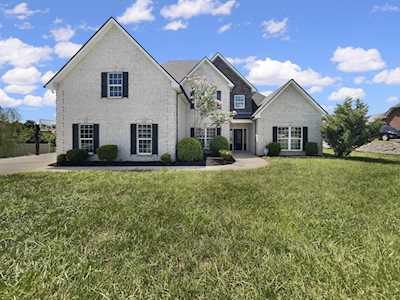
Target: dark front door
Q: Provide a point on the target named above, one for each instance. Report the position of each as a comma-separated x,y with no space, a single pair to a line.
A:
237,139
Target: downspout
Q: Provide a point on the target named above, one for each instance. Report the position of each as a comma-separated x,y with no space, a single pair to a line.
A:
177,125
255,136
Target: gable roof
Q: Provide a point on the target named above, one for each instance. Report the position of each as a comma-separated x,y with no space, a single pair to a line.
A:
179,68
74,60
272,97
253,88
390,110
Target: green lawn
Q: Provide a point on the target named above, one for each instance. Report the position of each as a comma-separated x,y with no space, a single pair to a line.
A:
302,228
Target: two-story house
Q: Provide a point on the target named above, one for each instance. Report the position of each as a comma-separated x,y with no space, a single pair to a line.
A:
112,91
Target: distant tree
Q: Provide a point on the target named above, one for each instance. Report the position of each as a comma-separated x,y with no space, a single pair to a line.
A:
8,134
347,128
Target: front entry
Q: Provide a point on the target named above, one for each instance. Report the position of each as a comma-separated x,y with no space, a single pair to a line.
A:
239,139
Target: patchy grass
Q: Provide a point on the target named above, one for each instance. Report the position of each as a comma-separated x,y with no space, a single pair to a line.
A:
302,228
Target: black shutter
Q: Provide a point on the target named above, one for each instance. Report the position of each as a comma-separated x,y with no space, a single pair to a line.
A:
133,138
125,85
75,136
96,139
192,132
219,97
192,99
218,131
305,137
155,138
275,134
104,85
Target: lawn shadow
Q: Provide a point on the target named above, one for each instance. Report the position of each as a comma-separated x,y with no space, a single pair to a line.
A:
364,159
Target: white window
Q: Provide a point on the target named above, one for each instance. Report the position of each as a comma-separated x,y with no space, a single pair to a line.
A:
115,84
144,138
238,102
86,137
205,136
290,138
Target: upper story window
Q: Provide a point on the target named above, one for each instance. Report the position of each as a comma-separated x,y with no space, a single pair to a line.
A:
86,137
115,84
238,102
219,98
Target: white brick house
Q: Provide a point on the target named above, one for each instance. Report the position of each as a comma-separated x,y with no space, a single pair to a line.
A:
114,92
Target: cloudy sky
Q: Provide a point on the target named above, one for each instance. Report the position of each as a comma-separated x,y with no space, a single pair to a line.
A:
335,49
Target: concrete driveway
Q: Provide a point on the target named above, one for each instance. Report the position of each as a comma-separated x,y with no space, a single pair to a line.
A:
31,163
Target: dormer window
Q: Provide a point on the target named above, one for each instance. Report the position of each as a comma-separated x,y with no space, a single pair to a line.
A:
238,102
115,85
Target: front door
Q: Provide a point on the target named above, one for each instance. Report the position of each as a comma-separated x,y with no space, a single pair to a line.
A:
237,139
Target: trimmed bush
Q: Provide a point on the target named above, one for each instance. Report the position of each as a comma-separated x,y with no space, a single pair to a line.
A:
190,150
219,143
311,149
166,158
76,156
61,158
107,152
226,155
274,149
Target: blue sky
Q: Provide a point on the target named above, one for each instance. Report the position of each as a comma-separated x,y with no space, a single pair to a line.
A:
333,48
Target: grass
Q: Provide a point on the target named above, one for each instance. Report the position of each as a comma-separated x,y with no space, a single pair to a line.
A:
302,228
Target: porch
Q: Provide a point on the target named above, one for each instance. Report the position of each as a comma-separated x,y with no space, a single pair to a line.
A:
241,136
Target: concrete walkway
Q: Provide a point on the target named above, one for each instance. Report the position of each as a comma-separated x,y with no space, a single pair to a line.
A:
31,163
244,161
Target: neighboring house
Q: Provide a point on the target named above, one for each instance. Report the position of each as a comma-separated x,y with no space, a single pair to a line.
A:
390,117
114,92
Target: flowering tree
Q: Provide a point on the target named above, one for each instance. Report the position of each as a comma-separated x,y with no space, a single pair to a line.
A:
207,107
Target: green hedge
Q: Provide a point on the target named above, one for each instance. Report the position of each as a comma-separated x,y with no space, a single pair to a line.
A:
190,150
107,152
166,158
226,155
274,149
311,149
219,143
77,156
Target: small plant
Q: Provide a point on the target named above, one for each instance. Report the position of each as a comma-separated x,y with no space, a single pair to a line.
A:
61,159
219,143
166,158
190,150
107,152
274,149
226,155
77,156
311,149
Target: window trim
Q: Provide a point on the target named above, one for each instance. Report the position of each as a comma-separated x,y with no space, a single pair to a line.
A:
289,138
205,136
144,139
80,138
110,85
235,99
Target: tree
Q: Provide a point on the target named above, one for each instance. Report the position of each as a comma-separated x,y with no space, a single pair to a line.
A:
348,128
207,107
8,134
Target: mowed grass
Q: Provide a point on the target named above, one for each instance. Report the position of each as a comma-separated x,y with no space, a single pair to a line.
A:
302,228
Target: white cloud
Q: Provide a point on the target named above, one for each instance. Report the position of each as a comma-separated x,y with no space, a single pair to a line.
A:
392,99
328,108
7,101
351,59
388,76
346,92
267,93
15,52
239,61
188,9
272,28
315,89
47,76
359,80
385,8
175,25
66,49
85,27
22,76
20,89
139,11
58,21
32,100
224,28
24,26
274,72
63,34
21,11
49,98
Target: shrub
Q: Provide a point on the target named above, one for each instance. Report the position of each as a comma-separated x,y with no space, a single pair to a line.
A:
166,158
189,150
311,149
61,158
107,152
219,143
226,155
76,156
274,149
